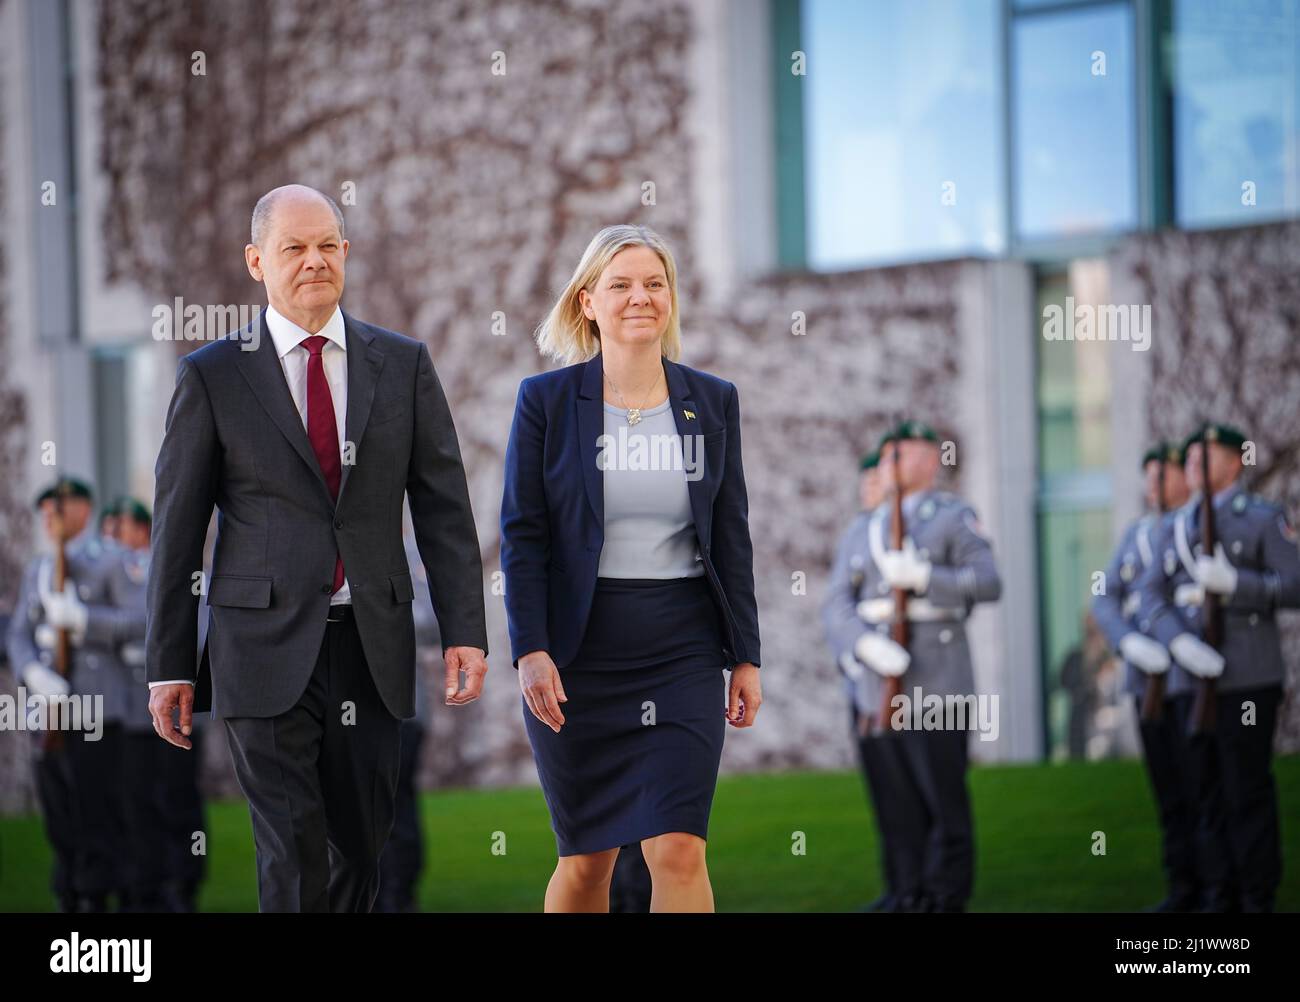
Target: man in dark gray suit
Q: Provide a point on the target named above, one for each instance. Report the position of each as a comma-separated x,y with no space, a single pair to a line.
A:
305,432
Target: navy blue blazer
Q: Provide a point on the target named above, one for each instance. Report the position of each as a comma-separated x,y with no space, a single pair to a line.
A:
553,508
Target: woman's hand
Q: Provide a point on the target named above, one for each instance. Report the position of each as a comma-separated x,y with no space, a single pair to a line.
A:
539,680
745,696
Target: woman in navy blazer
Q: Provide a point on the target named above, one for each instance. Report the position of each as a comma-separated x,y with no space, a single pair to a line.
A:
629,578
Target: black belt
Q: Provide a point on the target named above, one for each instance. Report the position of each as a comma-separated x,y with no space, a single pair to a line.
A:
339,614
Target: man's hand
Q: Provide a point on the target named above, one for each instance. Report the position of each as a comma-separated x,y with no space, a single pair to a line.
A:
882,655
1144,653
65,611
905,569
1216,573
473,662
745,695
164,700
539,680
44,681
1196,656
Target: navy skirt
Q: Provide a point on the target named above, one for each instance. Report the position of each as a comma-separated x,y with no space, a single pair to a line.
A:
638,752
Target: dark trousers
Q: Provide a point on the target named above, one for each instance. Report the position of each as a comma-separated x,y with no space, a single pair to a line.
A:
164,810
929,818
1232,770
79,787
403,856
879,782
1165,752
630,887
321,783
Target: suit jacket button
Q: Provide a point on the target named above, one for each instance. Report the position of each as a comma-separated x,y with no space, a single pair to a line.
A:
326,589
1254,618
338,524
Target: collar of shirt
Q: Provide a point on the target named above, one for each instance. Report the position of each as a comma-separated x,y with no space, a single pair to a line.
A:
910,501
287,335
1226,494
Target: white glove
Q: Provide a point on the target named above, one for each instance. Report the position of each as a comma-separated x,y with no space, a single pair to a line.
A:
45,681
1196,656
1144,653
65,611
851,667
904,569
46,636
881,654
1216,573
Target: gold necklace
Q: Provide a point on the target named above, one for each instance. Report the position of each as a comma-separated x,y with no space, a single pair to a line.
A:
634,413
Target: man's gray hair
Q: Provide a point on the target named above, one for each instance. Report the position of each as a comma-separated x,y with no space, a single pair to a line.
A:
265,208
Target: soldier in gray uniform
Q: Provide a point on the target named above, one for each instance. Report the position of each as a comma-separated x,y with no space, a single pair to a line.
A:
1164,743
78,783
843,593
403,856
947,566
165,807
1255,571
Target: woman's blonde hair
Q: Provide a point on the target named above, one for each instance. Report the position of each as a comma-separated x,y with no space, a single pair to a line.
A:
566,334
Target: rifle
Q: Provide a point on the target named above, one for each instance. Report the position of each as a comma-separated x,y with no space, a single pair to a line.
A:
53,740
898,631
1153,701
1211,611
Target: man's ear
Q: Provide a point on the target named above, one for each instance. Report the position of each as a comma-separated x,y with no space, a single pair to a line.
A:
253,259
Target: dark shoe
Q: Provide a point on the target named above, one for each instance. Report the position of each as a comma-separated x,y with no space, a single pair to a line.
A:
884,903
1174,903
914,903
949,907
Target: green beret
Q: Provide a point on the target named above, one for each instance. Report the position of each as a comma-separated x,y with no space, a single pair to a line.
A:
1163,452
65,487
134,510
870,461
909,429
111,510
1212,431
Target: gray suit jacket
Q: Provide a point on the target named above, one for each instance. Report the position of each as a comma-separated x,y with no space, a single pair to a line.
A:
96,668
946,532
235,441
1260,542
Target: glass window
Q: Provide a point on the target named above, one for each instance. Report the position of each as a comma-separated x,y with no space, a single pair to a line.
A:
1073,113
1236,110
902,130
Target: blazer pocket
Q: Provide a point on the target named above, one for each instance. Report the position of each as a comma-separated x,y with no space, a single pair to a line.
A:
403,590
239,592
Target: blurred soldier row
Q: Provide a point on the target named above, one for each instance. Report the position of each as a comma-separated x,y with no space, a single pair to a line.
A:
1197,628
120,811
897,612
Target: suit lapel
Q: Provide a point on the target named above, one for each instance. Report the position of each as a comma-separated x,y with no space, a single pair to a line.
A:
591,425
364,363
265,376
686,415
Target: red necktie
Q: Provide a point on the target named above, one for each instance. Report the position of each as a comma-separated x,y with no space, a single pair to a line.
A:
322,429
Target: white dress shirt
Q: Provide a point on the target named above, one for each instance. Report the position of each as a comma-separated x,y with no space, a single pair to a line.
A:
287,337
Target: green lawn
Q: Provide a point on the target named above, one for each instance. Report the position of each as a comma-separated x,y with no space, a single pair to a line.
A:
1034,829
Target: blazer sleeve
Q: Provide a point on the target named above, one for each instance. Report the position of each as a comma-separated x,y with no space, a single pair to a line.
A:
441,515
525,530
185,492
733,551
1107,607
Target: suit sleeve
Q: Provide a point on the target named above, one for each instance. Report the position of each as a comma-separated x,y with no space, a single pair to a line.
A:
115,618
1157,616
185,492
733,550
440,512
970,574
525,530
840,617
1107,608
1277,586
